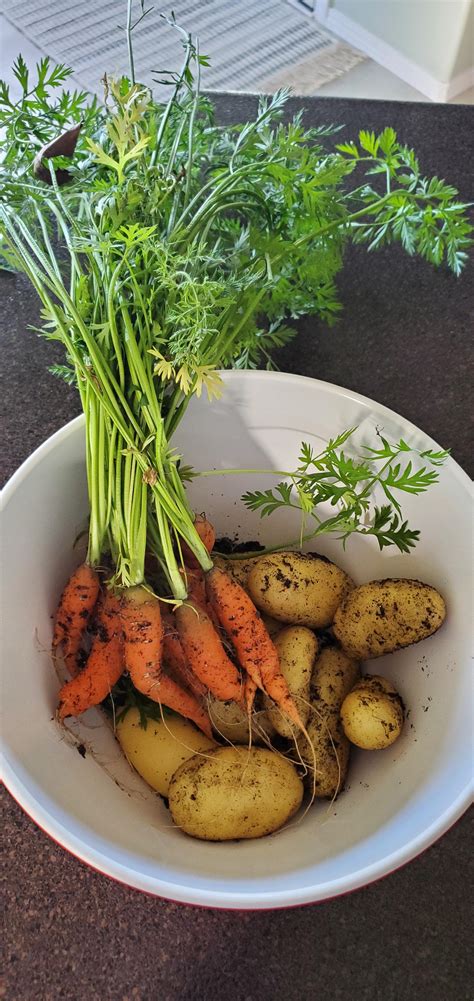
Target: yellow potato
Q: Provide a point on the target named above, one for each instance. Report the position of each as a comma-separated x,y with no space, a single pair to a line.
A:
299,588
157,751
234,793
333,677
231,722
386,615
327,753
297,649
372,713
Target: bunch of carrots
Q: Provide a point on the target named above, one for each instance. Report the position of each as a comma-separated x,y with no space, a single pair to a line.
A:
174,657
155,256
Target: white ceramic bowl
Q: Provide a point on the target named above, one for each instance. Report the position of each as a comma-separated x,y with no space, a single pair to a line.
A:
398,801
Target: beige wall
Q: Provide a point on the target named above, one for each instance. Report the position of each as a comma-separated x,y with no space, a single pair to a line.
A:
437,35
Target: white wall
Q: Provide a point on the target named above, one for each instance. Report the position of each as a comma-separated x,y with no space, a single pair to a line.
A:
465,56
429,32
434,39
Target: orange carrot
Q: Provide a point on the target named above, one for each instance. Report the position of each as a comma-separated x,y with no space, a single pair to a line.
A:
250,690
173,656
104,665
161,688
207,535
142,632
195,584
75,608
103,669
196,587
143,648
255,650
106,621
205,654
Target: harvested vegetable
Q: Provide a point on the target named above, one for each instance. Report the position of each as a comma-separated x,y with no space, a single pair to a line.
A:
159,749
234,792
143,653
300,588
75,608
237,724
254,648
208,537
372,713
387,615
105,664
104,667
143,637
173,656
168,249
327,756
205,653
297,649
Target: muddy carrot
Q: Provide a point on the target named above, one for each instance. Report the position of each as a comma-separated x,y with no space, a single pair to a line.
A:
205,653
255,650
196,587
207,535
163,689
104,665
75,608
143,650
195,584
142,626
173,656
250,689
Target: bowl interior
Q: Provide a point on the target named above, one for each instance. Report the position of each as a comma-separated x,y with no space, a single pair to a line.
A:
396,801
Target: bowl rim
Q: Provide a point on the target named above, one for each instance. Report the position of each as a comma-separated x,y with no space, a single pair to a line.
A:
231,375
257,900
232,900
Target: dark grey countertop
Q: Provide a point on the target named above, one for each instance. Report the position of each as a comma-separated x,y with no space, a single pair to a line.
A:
71,933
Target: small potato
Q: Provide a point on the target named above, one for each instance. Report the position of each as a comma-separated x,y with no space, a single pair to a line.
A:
327,756
328,770
299,588
386,615
234,793
230,721
159,750
297,649
334,674
372,713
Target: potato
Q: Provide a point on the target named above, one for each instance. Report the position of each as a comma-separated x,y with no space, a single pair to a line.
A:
230,721
372,713
386,615
297,649
301,589
327,756
333,676
234,793
159,750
